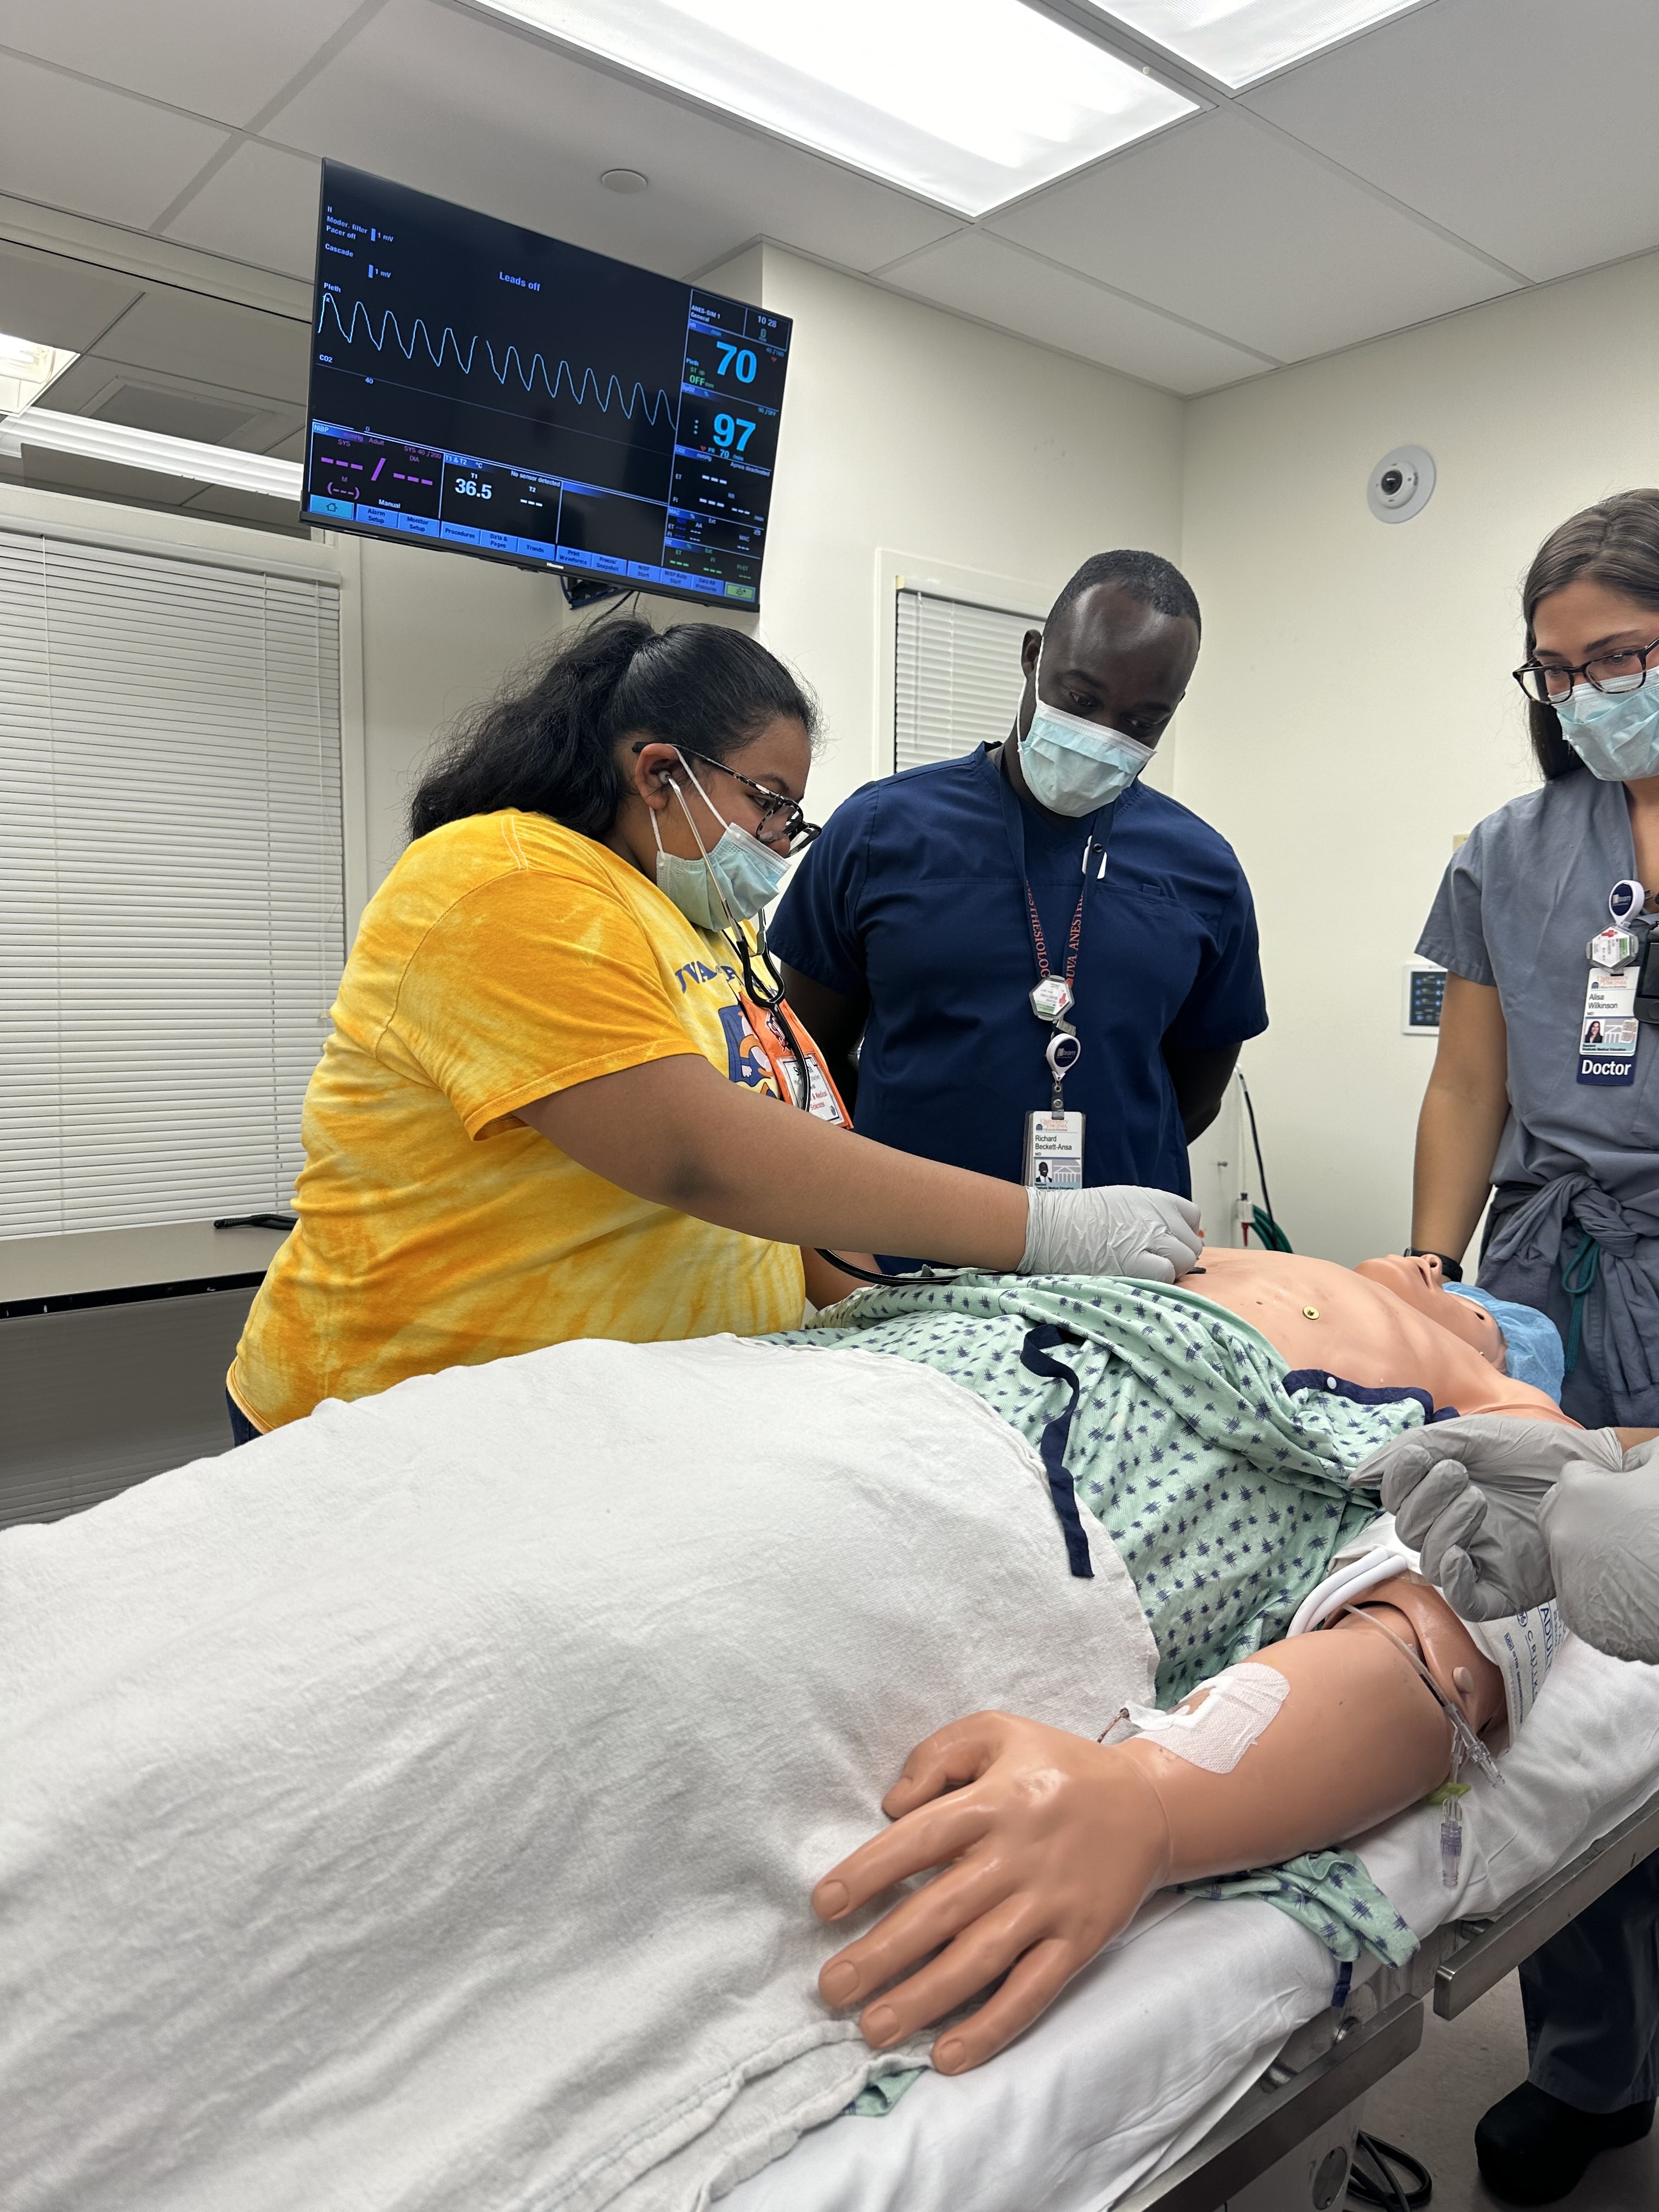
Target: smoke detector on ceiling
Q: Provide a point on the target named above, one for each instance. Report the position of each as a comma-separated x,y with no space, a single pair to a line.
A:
1401,484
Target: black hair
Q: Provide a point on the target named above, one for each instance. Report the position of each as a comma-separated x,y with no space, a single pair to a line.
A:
1148,577
1616,543
550,746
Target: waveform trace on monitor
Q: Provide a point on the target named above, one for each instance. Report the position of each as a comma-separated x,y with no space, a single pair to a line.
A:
512,360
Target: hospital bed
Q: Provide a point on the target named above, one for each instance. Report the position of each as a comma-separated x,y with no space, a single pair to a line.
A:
1201,2063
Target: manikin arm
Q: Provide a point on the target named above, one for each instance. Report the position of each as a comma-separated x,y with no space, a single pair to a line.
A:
1048,1844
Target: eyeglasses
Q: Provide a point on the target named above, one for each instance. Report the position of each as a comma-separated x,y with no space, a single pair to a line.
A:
1609,671
796,831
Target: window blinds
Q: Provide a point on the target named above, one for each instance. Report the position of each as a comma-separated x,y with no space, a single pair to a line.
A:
957,679
171,901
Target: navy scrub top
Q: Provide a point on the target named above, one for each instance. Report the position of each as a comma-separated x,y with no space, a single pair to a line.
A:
912,897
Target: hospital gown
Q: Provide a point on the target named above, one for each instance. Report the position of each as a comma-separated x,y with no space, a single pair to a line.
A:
1222,1488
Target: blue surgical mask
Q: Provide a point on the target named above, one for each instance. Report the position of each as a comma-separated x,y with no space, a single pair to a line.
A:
1073,766
1614,733
730,884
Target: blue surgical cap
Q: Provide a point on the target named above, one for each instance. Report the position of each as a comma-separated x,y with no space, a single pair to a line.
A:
1535,1351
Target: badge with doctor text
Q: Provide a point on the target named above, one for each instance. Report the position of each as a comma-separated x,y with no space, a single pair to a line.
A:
1608,1033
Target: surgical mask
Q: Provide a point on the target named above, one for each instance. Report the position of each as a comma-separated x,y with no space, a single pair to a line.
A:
730,884
1073,766
1614,733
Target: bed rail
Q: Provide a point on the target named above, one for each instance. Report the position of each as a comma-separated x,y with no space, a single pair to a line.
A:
1278,2112
1271,2119
1496,1948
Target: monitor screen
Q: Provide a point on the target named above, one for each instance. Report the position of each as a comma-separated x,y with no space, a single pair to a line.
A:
484,389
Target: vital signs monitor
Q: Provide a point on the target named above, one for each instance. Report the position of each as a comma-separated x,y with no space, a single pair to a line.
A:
490,390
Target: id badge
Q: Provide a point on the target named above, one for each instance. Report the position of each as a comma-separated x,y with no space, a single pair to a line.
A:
1608,1033
818,1094
1053,1151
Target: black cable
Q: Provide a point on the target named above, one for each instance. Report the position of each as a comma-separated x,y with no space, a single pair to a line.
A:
1386,2157
1267,1230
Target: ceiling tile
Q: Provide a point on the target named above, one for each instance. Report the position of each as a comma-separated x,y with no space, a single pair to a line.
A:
184,51
261,207
74,145
1530,129
59,302
978,275
214,340
451,104
1223,222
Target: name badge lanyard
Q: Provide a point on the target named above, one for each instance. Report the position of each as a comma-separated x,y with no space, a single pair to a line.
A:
1053,1140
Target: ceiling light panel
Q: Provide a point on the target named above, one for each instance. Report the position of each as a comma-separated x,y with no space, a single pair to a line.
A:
970,103
26,370
97,440
1239,41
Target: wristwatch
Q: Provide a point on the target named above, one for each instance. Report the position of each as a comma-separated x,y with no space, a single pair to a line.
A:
1451,1269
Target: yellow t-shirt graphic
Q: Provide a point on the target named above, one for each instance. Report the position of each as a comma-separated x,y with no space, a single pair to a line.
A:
503,958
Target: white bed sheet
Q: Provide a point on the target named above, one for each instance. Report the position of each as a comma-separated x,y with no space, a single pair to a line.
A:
1163,2034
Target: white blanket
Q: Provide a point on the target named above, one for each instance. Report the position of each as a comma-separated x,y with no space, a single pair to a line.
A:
417,1807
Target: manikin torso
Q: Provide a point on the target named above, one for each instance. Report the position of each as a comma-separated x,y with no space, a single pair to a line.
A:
1385,1324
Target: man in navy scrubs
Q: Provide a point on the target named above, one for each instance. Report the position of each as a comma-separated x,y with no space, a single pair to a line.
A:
945,914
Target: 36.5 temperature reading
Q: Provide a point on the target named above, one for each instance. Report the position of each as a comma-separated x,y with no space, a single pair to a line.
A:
469,488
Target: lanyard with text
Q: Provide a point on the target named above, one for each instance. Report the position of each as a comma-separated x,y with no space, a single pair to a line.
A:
798,1068
1053,1140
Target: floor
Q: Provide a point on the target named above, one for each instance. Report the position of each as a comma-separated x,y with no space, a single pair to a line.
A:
1429,2105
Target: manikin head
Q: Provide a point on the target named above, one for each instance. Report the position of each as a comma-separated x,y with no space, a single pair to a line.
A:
1418,1281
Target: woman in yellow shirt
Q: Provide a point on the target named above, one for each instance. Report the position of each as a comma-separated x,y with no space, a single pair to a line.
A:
543,1112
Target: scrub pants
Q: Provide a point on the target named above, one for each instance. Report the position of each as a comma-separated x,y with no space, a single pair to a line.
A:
1591,1994
1591,1998
242,1431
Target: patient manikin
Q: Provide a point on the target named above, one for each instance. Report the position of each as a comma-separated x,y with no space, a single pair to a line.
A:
1049,1844
508,1729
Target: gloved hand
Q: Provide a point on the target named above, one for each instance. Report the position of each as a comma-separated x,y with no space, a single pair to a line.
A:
1601,1525
1117,1228
1465,1494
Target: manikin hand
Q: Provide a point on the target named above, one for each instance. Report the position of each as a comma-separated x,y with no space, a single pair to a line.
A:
1049,1842
1465,1494
1116,1229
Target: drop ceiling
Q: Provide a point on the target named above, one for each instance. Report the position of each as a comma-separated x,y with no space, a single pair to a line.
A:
1463,149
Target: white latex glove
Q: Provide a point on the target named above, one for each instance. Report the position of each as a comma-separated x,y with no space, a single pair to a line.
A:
1465,1494
1117,1228
1601,1525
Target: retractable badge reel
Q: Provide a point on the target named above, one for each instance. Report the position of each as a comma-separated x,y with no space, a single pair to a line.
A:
1053,1140
1622,993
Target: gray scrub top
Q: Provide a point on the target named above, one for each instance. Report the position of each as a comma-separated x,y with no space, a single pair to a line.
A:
1516,907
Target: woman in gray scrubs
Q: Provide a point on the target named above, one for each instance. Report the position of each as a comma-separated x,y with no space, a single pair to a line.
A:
1545,1093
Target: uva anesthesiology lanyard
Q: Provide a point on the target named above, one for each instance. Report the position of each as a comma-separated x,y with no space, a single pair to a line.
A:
1053,1140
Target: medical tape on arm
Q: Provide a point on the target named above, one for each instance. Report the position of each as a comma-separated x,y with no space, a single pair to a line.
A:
1237,1706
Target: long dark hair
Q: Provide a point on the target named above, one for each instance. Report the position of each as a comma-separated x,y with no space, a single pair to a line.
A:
1616,543
549,747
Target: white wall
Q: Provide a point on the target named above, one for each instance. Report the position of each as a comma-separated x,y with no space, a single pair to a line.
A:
1353,708
906,427
440,632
